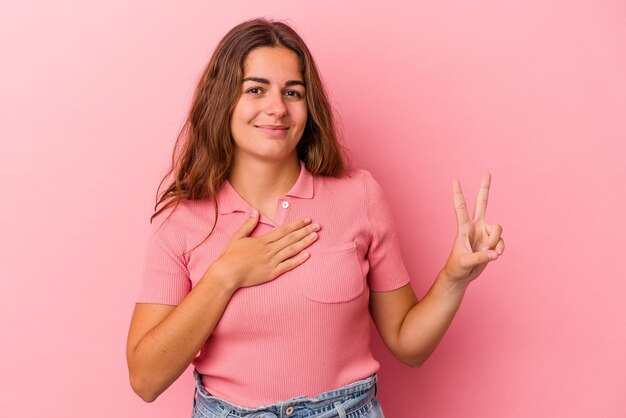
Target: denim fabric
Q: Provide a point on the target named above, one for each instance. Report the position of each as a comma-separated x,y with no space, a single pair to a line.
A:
357,399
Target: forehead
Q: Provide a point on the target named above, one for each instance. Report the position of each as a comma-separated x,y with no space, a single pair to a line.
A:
272,62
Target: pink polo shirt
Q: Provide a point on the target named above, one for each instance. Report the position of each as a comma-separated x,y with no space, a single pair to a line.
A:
307,331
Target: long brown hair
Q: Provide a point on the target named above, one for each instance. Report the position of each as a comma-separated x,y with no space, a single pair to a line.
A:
204,150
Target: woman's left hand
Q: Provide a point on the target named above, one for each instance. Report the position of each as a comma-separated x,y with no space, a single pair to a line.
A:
477,242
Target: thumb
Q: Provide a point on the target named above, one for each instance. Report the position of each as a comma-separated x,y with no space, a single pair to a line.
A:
474,259
248,226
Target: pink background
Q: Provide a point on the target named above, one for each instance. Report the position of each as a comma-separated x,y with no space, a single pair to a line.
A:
92,96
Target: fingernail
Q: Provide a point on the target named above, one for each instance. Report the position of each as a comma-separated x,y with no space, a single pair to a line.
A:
253,212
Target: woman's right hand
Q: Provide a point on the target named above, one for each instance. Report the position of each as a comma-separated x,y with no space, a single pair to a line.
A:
249,261
164,339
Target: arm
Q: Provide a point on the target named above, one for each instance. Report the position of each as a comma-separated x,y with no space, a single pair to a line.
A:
411,329
164,339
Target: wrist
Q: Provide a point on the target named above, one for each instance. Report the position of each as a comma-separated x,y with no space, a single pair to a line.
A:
453,285
222,277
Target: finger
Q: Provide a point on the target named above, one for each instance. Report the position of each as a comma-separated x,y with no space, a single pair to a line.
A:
460,208
290,263
480,208
306,233
289,250
500,247
248,226
494,231
279,232
474,259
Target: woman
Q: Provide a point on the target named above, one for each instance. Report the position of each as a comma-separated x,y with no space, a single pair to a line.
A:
273,251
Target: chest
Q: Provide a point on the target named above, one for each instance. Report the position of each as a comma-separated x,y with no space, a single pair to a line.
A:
330,282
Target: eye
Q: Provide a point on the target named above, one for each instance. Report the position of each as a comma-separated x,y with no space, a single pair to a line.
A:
254,90
293,93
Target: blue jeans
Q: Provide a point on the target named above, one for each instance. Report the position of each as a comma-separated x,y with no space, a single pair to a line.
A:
357,399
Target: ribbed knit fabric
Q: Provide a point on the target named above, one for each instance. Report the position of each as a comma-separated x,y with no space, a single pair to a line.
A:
307,331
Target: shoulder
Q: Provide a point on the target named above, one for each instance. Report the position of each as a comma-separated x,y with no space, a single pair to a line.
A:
375,197
184,216
179,227
354,177
358,183
367,181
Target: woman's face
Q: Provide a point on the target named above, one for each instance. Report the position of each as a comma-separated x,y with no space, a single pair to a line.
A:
271,113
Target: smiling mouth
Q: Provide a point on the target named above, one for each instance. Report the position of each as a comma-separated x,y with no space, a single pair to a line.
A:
272,130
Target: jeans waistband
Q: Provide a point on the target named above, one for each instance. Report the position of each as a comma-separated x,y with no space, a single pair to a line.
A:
346,399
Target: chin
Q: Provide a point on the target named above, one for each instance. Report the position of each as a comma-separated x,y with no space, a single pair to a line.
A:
275,155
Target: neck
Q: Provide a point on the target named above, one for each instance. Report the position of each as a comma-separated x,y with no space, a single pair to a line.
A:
262,182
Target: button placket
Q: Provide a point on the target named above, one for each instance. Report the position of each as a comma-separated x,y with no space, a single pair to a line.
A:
281,212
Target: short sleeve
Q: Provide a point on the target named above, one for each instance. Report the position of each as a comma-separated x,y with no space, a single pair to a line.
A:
165,277
387,270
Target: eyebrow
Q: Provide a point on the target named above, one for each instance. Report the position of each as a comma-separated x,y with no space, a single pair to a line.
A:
266,81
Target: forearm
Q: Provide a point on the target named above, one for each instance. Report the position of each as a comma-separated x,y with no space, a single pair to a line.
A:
164,352
427,321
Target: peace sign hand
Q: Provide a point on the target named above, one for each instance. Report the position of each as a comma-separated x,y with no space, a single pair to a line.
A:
477,242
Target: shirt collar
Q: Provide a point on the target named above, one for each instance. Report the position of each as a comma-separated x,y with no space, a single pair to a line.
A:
229,200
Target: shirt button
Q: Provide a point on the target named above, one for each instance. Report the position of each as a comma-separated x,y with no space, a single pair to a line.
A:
285,204
289,410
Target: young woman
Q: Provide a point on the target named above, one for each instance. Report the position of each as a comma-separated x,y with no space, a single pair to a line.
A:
274,253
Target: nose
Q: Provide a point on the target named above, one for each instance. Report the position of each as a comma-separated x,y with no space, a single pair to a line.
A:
275,105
